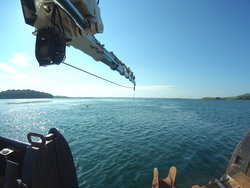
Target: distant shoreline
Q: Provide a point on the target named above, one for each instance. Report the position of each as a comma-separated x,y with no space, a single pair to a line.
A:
31,94
244,97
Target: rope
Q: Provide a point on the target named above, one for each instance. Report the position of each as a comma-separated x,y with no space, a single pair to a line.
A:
98,76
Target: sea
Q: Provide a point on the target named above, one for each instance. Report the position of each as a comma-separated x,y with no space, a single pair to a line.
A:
117,142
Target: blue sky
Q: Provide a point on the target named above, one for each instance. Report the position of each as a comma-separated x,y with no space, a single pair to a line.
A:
187,49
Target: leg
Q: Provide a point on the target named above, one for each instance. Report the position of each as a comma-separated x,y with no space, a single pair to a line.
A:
168,182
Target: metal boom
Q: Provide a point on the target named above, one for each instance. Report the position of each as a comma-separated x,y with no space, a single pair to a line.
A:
61,23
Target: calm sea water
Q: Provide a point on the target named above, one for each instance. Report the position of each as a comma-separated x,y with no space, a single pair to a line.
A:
118,142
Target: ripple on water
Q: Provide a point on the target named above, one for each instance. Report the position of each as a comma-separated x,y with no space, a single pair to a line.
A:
118,142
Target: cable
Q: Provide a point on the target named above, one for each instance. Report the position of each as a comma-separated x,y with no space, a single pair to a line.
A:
98,76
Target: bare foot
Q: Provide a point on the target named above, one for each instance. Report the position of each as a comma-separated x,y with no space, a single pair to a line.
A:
168,182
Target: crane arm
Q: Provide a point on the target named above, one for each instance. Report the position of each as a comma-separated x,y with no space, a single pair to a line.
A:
61,23
91,46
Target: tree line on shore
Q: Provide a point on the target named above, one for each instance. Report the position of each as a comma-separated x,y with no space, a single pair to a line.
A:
239,97
23,94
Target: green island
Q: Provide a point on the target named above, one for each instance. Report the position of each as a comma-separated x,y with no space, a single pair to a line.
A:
24,94
239,97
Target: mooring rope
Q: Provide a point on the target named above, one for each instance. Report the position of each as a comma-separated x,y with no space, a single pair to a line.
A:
98,76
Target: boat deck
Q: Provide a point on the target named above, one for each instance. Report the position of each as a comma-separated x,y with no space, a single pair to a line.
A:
242,179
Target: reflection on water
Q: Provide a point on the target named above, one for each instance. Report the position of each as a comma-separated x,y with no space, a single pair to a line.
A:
25,101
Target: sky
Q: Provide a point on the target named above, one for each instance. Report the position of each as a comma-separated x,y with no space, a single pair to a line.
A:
176,49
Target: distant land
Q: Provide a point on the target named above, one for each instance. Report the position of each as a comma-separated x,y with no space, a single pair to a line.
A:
239,97
24,94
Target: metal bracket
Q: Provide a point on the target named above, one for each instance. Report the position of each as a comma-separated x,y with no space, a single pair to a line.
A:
37,144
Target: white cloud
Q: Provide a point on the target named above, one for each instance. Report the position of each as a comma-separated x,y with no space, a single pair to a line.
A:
159,91
25,79
8,69
154,87
20,59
